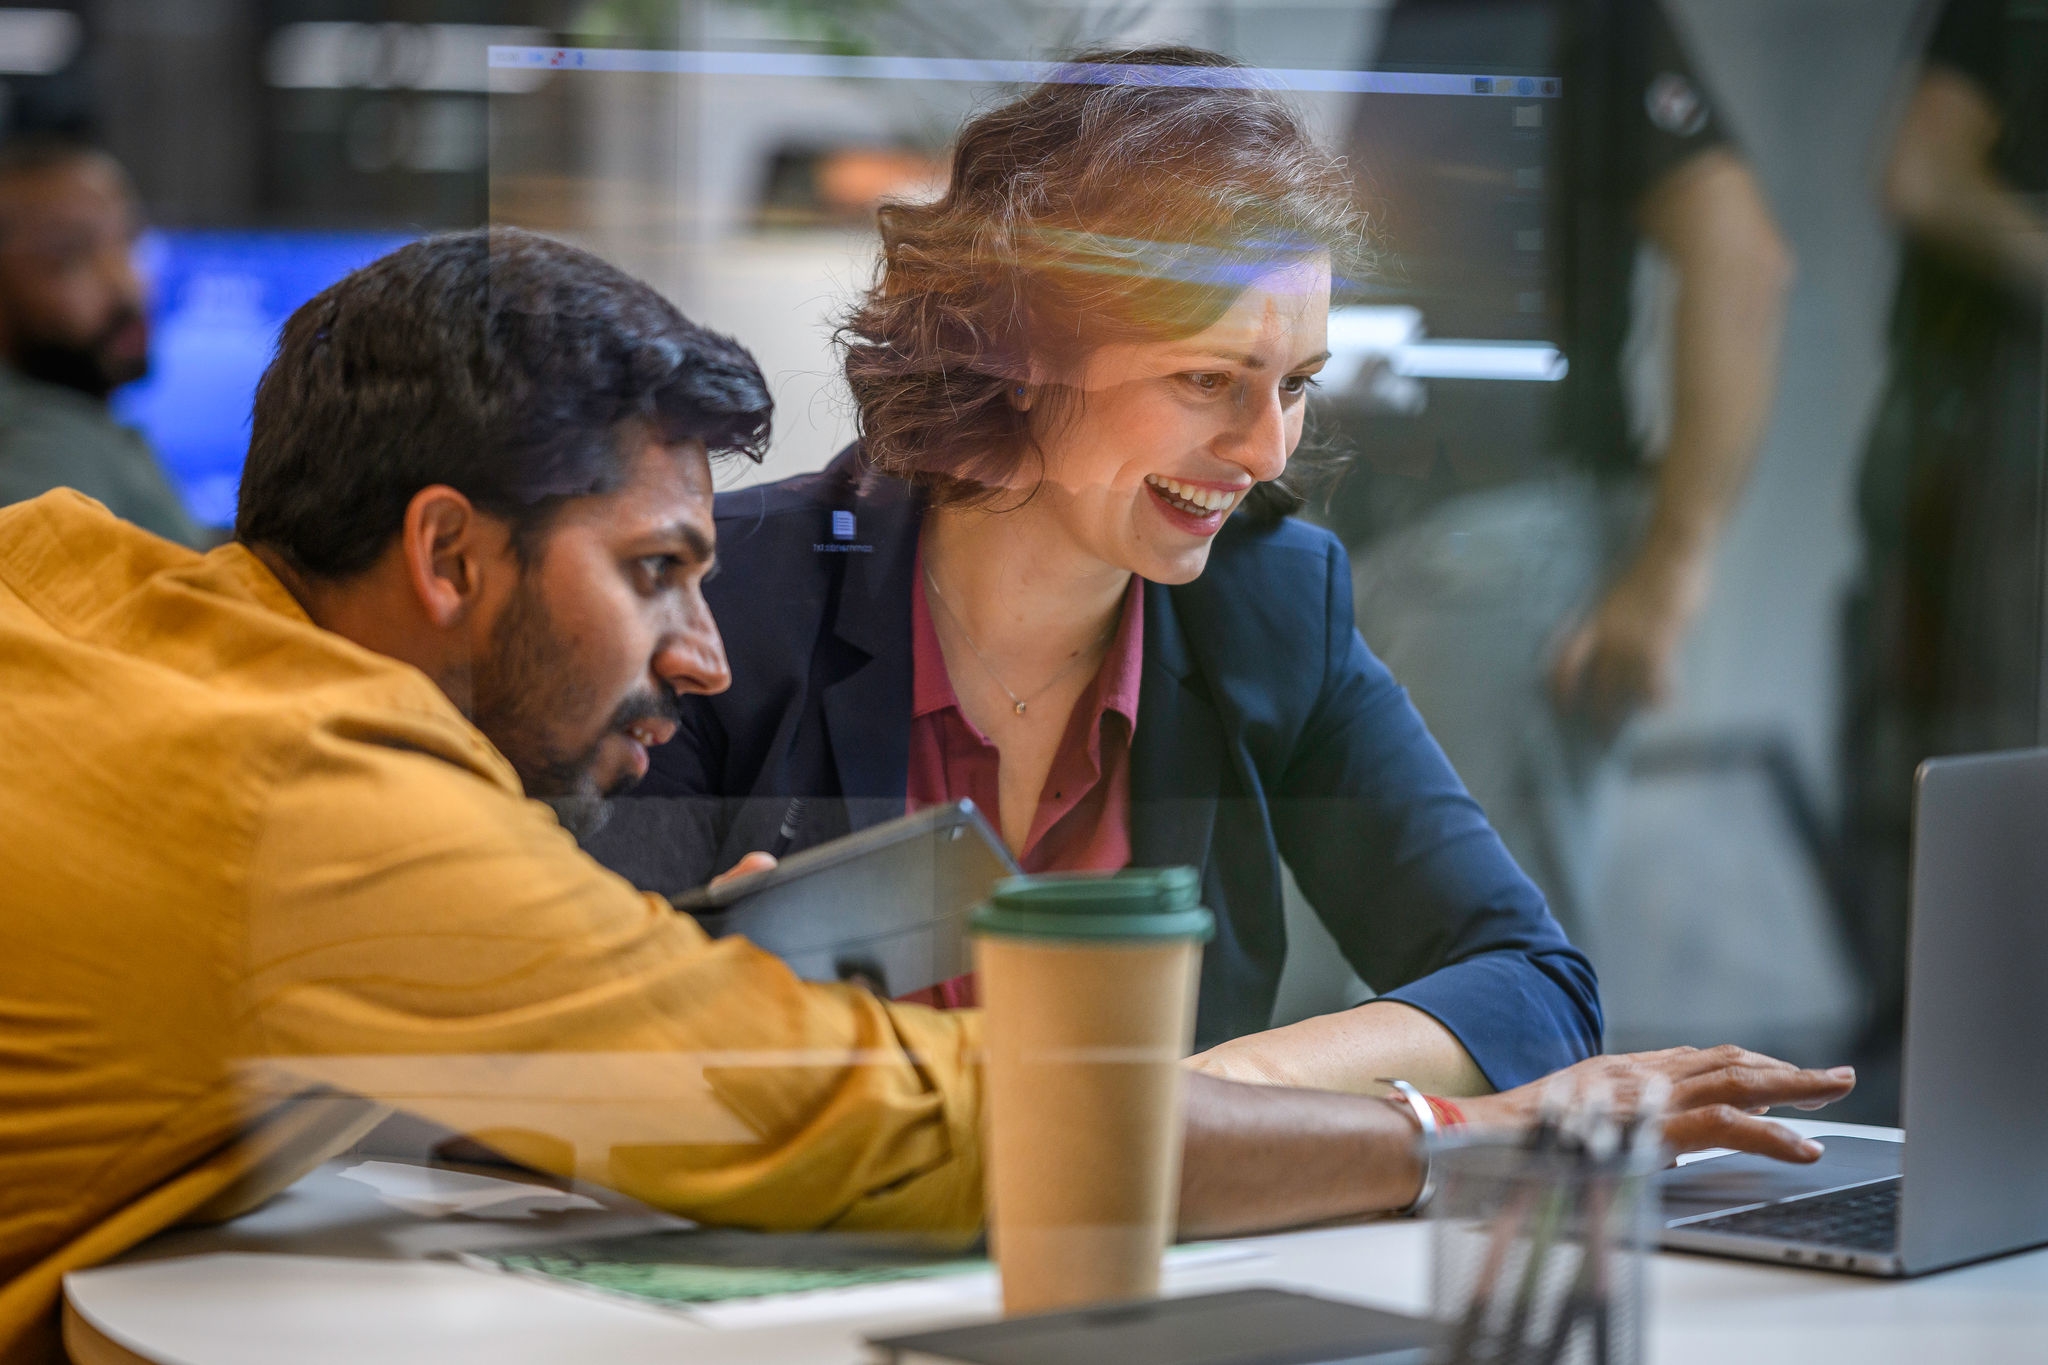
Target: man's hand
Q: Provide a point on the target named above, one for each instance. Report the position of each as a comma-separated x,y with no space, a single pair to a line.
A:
1716,1097
745,867
1625,655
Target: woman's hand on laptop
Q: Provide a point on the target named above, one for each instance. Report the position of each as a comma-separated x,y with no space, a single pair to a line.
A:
1717,1097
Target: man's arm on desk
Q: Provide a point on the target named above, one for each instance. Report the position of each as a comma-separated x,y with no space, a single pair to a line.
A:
445,948
419,934
1261,1157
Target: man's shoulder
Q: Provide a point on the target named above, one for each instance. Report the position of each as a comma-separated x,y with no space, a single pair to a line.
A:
215,635
69,559
31,407
50,437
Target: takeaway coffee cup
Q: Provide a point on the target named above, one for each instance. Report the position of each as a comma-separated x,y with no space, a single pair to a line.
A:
1088,986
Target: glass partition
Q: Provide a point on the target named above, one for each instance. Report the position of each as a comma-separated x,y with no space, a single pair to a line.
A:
1475,509
1507,373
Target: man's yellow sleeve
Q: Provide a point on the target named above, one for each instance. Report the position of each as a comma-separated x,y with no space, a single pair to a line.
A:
420,934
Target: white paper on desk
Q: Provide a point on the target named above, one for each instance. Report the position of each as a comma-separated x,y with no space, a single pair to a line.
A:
430,1192
964,1294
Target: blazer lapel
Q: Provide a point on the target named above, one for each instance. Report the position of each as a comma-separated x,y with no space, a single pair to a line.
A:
1177,751
867,712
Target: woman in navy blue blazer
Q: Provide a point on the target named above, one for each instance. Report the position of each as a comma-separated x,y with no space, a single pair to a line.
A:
1080,375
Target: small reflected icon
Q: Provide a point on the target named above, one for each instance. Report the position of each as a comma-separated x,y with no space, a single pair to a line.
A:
1675,105
842,526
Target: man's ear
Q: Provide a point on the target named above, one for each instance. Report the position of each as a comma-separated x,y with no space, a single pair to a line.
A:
446,543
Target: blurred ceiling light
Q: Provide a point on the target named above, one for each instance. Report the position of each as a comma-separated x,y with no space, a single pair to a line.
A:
1527,361
1377,353
1381,329
338,56
36,42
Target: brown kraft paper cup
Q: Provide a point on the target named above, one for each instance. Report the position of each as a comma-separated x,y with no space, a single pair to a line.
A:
1084,1041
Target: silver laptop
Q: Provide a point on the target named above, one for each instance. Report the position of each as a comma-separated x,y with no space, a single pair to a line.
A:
1971,1179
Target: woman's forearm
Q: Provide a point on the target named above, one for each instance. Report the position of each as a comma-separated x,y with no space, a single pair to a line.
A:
1350,1051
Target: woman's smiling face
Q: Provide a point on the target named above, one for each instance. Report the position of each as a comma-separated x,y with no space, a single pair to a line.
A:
1164,439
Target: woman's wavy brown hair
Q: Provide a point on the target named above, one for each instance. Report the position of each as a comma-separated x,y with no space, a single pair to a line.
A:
1131,198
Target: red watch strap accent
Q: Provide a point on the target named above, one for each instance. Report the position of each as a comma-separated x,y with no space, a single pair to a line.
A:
1448,1115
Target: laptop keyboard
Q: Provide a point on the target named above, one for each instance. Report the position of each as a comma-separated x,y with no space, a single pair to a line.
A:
1862,1219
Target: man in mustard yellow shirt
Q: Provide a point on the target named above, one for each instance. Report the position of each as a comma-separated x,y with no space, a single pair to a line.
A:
268,858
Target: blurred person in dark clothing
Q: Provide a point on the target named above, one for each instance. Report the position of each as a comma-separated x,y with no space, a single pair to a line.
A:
72,330
1944,630
1530,556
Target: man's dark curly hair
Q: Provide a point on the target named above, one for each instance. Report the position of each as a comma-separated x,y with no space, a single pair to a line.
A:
507,365
1133,197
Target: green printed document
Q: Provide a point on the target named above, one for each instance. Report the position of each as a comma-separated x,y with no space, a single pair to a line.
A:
691,1267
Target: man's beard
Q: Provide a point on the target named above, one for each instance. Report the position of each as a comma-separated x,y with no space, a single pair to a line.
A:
91,368
524,693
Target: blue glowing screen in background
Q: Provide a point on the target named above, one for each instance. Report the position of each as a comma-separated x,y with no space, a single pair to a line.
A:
220,298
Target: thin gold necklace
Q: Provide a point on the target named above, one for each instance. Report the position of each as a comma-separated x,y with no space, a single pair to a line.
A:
1019,702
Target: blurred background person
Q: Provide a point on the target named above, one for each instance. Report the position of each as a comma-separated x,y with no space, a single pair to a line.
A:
73,328
1944,628
1530,556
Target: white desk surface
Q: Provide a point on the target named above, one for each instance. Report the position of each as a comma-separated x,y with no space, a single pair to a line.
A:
177,1303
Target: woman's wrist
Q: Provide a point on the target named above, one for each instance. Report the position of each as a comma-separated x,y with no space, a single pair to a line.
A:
1448,1114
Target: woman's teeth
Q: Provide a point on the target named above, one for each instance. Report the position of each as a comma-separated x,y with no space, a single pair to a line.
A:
1195,501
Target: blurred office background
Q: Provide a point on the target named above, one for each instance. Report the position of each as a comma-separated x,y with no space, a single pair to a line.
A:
276,143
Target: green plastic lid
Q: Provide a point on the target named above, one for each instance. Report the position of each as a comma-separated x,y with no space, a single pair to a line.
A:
1144,903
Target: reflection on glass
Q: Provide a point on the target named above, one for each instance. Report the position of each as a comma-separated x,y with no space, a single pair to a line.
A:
1082,337
1944,631
1531,549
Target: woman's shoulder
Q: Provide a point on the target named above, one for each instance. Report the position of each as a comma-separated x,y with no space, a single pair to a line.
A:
1268,606
782,498
1285,560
